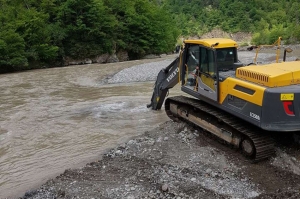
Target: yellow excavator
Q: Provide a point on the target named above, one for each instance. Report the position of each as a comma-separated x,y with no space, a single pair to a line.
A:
241,105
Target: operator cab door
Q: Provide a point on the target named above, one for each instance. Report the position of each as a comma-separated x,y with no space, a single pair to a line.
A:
200,72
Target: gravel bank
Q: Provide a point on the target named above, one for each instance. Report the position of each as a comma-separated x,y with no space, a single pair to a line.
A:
173,161
166,162
140,73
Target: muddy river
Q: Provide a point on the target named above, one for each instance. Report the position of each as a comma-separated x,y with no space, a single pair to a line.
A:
59,118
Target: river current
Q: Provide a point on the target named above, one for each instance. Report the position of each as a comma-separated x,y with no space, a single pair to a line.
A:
60,118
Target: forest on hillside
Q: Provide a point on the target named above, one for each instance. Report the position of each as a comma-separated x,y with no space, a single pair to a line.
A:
36,33
267,19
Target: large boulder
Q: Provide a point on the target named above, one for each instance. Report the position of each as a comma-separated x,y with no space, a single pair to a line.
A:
70,61
87,61
151,56
122,55
112,59
101,58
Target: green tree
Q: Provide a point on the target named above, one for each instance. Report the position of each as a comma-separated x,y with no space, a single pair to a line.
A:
88,27
12,51
33,27
143,27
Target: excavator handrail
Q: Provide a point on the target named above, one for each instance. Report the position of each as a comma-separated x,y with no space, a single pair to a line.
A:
258,48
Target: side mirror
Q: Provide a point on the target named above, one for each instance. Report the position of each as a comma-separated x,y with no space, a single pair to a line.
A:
289,50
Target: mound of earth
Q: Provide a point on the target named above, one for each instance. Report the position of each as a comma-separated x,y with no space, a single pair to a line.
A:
240,37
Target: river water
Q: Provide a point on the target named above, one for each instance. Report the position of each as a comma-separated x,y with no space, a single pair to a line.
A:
60,118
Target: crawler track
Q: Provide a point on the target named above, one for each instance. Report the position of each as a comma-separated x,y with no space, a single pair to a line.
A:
252,140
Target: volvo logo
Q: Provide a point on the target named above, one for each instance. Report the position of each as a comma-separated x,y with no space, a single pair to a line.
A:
172,75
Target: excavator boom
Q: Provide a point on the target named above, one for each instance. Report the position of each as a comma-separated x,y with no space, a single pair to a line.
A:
167,78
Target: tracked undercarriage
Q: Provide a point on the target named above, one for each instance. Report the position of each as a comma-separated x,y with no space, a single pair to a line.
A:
234,131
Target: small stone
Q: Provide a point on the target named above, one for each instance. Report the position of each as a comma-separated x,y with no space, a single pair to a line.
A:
278,190
208,170
193,179
166,139
132,188
118,152
130,197
88,61
131,142
164,187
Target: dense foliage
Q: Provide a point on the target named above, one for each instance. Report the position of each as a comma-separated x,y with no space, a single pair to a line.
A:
35,33
267,19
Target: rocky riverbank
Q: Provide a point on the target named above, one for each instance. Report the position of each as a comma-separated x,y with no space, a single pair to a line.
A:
177,161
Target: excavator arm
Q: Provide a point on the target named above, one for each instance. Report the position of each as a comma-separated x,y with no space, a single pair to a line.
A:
167,78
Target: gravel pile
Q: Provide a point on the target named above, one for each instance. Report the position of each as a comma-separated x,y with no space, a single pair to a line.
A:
286,161
203,166
167,162
140,73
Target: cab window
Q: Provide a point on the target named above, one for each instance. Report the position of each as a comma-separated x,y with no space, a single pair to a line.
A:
226,57
193,57
207,61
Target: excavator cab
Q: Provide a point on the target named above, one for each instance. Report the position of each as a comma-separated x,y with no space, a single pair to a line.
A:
203,62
